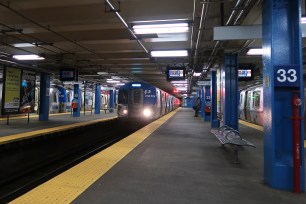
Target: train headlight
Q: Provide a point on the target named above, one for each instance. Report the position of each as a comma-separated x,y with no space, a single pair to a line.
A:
147,112
125,111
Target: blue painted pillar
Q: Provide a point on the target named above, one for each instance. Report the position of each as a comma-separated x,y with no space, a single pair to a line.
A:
282,76
207,103
97,98
201,93
77,98
111,101
215,123
44,97
230,108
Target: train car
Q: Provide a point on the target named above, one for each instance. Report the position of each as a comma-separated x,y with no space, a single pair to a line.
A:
251,105
138,100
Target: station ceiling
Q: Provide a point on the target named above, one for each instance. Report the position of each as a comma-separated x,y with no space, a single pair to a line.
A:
89,35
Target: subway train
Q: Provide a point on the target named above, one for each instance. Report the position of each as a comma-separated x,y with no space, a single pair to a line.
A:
251,104
138,100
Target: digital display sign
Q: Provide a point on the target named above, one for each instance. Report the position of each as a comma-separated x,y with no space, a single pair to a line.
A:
69,75
246,72
175,73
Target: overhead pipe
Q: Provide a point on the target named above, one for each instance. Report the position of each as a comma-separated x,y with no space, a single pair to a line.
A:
35,38
232,20
192,30
48,28
126,25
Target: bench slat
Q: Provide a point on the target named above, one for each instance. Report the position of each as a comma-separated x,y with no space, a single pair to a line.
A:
231,140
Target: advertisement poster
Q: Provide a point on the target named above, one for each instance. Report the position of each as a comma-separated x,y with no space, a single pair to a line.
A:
12,90
27,92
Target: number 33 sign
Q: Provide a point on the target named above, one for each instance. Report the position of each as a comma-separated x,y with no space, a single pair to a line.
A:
287,76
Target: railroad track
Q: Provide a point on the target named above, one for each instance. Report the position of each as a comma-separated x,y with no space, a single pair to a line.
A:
43,168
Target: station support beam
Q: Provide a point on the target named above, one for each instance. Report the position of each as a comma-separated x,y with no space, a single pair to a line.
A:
282,81
207,103
201,94
44,96
215,123
230,95
111,100
97,98
77,98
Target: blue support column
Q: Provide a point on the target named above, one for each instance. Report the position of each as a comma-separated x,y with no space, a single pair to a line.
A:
215,123
207,103
97,98
77,98
111,101
231,90
282,76
201,93
44,96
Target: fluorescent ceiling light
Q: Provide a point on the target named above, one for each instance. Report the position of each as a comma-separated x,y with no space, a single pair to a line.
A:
28,57
179,82
257,51
102,73
120,84
181,88
23,45
113,82
161,28
303,20
173,53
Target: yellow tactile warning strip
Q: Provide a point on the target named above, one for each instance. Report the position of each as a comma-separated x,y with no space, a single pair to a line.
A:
31,134
67,186
258,127
13,117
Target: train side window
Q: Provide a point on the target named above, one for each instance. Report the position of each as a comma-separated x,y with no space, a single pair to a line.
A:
123,97
256,100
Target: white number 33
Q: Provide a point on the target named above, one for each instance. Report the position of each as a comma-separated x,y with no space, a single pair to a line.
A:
290,75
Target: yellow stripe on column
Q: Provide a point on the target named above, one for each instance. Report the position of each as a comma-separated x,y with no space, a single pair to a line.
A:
67,186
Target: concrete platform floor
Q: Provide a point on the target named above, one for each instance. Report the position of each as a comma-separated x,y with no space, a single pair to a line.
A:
21,125
182,162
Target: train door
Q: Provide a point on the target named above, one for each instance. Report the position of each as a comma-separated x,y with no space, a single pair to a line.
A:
69,100
242,106
248,95
158,103
54,102
257,113
37,99
135,102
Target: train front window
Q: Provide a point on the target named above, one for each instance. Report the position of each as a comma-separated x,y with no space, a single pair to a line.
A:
123,97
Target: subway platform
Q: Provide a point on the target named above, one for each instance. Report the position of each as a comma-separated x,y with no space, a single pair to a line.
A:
175,159
18,128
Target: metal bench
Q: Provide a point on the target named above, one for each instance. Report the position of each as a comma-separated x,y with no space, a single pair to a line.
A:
107,109
228,135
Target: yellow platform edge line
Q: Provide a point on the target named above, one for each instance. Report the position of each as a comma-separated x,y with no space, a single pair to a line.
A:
34,115
258,127
32,134
67,186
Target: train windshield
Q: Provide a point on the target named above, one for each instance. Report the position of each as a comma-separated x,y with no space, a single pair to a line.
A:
123,97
